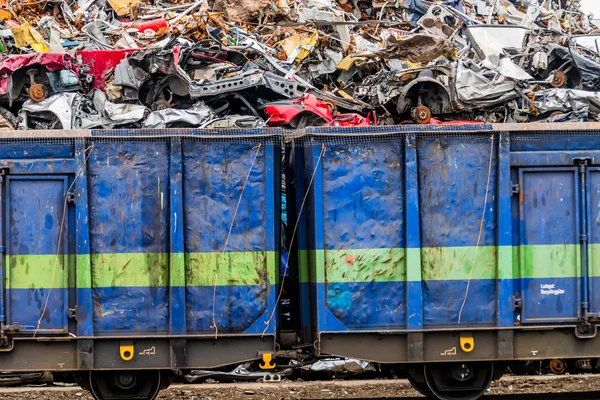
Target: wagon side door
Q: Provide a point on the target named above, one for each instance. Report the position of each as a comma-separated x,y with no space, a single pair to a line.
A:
550,256
593,218
36,263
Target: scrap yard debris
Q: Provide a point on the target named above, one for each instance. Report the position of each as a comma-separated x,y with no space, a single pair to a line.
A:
86,64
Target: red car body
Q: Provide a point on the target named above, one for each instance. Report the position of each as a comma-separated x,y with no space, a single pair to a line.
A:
286,111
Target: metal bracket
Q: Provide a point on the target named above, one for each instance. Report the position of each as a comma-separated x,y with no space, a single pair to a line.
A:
515,188
267,361
586,331
467,342
70,197
517,303
583,161
126,350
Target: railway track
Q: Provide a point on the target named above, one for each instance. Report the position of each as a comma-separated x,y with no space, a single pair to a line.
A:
536,396
509,388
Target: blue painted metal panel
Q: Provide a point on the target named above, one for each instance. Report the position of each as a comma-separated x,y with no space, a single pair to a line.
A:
550,300
35,207
129,213
128,189
85,318
131,310
549,215
37,224
36,149
414,288
230,204
442,301
214,178
453,175
26,308
550,206
367,305
506,292
363,195
177,323
236,308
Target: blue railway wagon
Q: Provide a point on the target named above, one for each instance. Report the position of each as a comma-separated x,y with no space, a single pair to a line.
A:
454,249
131,253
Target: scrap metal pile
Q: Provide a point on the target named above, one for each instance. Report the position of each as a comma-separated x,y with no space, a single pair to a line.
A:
84,64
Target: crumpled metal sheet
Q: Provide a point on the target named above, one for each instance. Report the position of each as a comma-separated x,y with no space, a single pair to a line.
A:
60,105
588,69
472,86
347,365
566,100
242,372
418,48
117,113
195,117
168,56
491,40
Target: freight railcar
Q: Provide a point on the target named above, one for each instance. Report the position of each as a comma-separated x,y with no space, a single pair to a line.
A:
130,254
453,250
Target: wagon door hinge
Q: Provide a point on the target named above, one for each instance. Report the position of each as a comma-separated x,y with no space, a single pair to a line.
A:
3,172
72,314
70,197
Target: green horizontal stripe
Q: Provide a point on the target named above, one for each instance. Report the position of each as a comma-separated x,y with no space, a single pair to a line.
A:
142,270
230,269
130,269
445,263
549,261
254,268
373,265
458,263
38,271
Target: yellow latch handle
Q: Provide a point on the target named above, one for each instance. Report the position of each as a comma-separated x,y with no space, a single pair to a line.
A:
126,352
267,363
467,344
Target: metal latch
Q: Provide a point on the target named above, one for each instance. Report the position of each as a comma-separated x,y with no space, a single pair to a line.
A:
70,197
267,361
517,303
126,350
467,342
515,188
72,314
583,161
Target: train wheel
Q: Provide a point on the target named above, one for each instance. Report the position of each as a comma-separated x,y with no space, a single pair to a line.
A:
130,385
459,381
416,377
